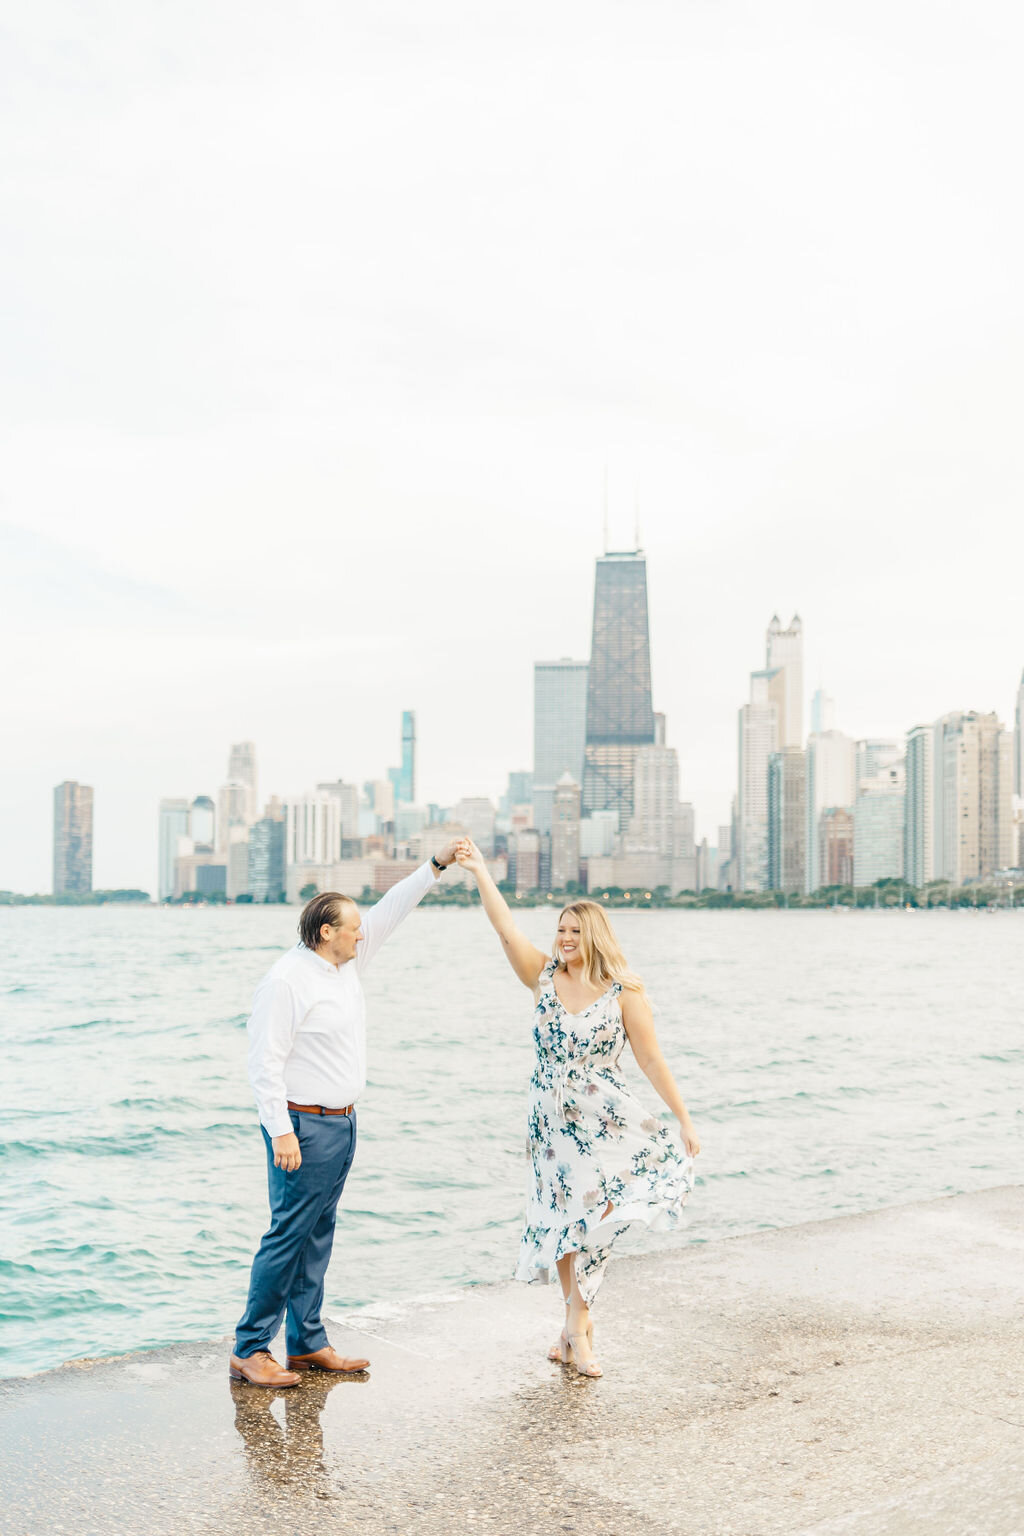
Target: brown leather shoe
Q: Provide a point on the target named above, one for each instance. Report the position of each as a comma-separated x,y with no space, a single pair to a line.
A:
261,1370
326,1359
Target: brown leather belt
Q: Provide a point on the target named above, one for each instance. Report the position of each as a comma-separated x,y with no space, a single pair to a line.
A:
318,1109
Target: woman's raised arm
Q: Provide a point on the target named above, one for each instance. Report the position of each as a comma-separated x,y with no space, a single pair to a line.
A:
525,958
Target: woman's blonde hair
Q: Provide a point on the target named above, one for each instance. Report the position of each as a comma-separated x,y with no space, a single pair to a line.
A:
603,960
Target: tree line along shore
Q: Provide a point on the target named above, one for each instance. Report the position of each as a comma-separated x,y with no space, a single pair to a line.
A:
890,893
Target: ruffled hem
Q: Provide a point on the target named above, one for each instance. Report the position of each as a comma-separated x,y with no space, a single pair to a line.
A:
593,1245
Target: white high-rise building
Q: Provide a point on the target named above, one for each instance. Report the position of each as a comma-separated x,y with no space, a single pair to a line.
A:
878,826
174,823
655,800
972,797
758,739
831,784
565,834
786,652
1018,742
313,830
242,770
919,814
559,730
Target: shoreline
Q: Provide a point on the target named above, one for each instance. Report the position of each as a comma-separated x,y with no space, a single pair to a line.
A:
371,1320
858,1374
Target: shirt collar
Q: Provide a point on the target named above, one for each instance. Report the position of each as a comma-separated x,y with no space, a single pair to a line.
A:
319,961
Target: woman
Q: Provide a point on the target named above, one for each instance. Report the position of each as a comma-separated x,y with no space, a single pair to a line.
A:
598,1160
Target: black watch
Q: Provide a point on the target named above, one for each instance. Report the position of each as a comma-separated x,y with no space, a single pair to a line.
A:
439,867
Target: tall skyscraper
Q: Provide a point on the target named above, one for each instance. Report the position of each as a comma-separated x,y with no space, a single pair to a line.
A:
72,839
972,797
875,755
266,859
1018,742
174,824
787,820
785,652
620,715
758,739
918,813
242,770
559,730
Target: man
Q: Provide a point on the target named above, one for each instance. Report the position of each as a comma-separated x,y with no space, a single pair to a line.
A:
307,1066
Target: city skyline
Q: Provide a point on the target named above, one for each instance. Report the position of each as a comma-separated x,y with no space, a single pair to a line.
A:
790,790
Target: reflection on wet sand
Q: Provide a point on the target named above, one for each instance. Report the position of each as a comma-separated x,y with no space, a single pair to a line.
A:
294,1455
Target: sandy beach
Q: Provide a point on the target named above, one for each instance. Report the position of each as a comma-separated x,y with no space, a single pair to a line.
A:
857,1375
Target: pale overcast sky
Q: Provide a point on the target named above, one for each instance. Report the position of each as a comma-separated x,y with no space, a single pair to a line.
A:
322,321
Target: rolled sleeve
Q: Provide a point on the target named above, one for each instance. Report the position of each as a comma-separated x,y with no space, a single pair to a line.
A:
271,1028
382,920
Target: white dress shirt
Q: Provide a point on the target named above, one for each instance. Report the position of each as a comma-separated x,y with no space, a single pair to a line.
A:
307,1030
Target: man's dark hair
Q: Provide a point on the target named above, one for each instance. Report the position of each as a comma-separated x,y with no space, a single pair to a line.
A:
325,908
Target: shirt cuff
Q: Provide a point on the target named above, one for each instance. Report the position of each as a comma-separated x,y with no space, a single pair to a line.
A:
278,1126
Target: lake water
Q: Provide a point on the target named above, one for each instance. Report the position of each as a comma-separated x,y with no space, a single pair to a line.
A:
833,1062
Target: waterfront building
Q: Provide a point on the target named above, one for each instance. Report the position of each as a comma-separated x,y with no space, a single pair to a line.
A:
620,715
347,796
242,770
409,821
878,826
313,830
972,797
787,820
785,654
1018,742
173,826
524,862
519,791
874,755
758,739
72,838
724,861
654,823
202,823
835,839
831,783
919,813
565,834
199,870
559,730
236,860
707,867
266,859
598,834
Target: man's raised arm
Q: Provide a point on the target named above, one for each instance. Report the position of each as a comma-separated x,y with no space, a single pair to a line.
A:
382,920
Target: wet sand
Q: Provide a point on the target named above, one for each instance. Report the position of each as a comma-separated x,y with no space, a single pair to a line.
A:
862,1375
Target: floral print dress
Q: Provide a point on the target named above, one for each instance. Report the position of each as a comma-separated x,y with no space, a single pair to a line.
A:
591,1142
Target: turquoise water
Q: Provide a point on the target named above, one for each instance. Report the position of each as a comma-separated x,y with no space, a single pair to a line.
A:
833,1062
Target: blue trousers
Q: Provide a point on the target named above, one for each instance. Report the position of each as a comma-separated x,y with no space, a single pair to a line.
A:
291,1262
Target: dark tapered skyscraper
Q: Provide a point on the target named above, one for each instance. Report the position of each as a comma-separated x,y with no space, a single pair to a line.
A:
620,716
